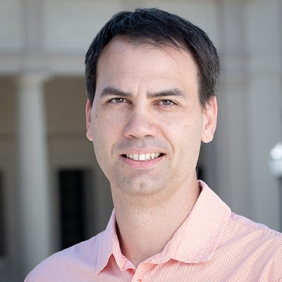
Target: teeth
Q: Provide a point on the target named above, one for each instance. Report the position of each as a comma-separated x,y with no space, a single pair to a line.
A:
143,157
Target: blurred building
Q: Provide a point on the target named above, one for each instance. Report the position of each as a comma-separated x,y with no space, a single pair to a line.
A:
52,192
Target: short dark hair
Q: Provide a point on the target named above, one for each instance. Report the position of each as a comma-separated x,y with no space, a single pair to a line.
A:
159,28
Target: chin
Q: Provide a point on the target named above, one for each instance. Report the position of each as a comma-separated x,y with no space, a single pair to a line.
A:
141,188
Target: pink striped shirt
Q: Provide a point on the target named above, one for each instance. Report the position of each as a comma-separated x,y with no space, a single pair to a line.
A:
213,244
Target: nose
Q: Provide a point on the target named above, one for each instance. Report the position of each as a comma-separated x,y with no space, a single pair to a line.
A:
140,123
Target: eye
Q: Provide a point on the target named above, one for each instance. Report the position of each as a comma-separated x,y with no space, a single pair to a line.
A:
166,103
117,100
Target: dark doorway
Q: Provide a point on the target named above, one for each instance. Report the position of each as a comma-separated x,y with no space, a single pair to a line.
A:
72,206
2,224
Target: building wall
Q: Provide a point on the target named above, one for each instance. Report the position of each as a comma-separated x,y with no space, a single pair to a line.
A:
42,48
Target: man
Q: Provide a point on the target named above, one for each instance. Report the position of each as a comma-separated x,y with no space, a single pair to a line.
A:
151,80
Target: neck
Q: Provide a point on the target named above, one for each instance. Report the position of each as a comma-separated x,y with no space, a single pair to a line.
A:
145,224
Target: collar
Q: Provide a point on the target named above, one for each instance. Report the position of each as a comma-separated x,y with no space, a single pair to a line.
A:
193,242
202,231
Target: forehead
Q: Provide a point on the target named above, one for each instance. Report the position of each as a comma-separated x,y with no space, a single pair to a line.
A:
119,43
143,64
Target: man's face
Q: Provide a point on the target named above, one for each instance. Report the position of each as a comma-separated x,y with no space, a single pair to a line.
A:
146,121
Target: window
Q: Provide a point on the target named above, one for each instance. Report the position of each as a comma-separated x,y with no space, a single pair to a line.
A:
2,225
72,206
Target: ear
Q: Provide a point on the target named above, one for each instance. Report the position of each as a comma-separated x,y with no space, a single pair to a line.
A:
88,120
210,120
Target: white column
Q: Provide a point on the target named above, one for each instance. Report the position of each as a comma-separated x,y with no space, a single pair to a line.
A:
232,136
33,187
264,45
250,102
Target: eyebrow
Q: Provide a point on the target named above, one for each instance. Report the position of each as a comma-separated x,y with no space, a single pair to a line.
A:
108,91
169,92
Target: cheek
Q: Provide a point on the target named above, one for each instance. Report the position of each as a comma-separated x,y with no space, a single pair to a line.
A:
190,136
105,133
99,124
98,133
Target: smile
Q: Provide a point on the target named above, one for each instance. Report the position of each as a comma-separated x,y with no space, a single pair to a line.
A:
143,157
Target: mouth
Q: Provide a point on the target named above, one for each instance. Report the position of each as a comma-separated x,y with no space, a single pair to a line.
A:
143,157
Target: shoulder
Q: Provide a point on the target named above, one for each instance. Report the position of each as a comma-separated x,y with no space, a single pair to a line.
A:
79,258
241,224
254,240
